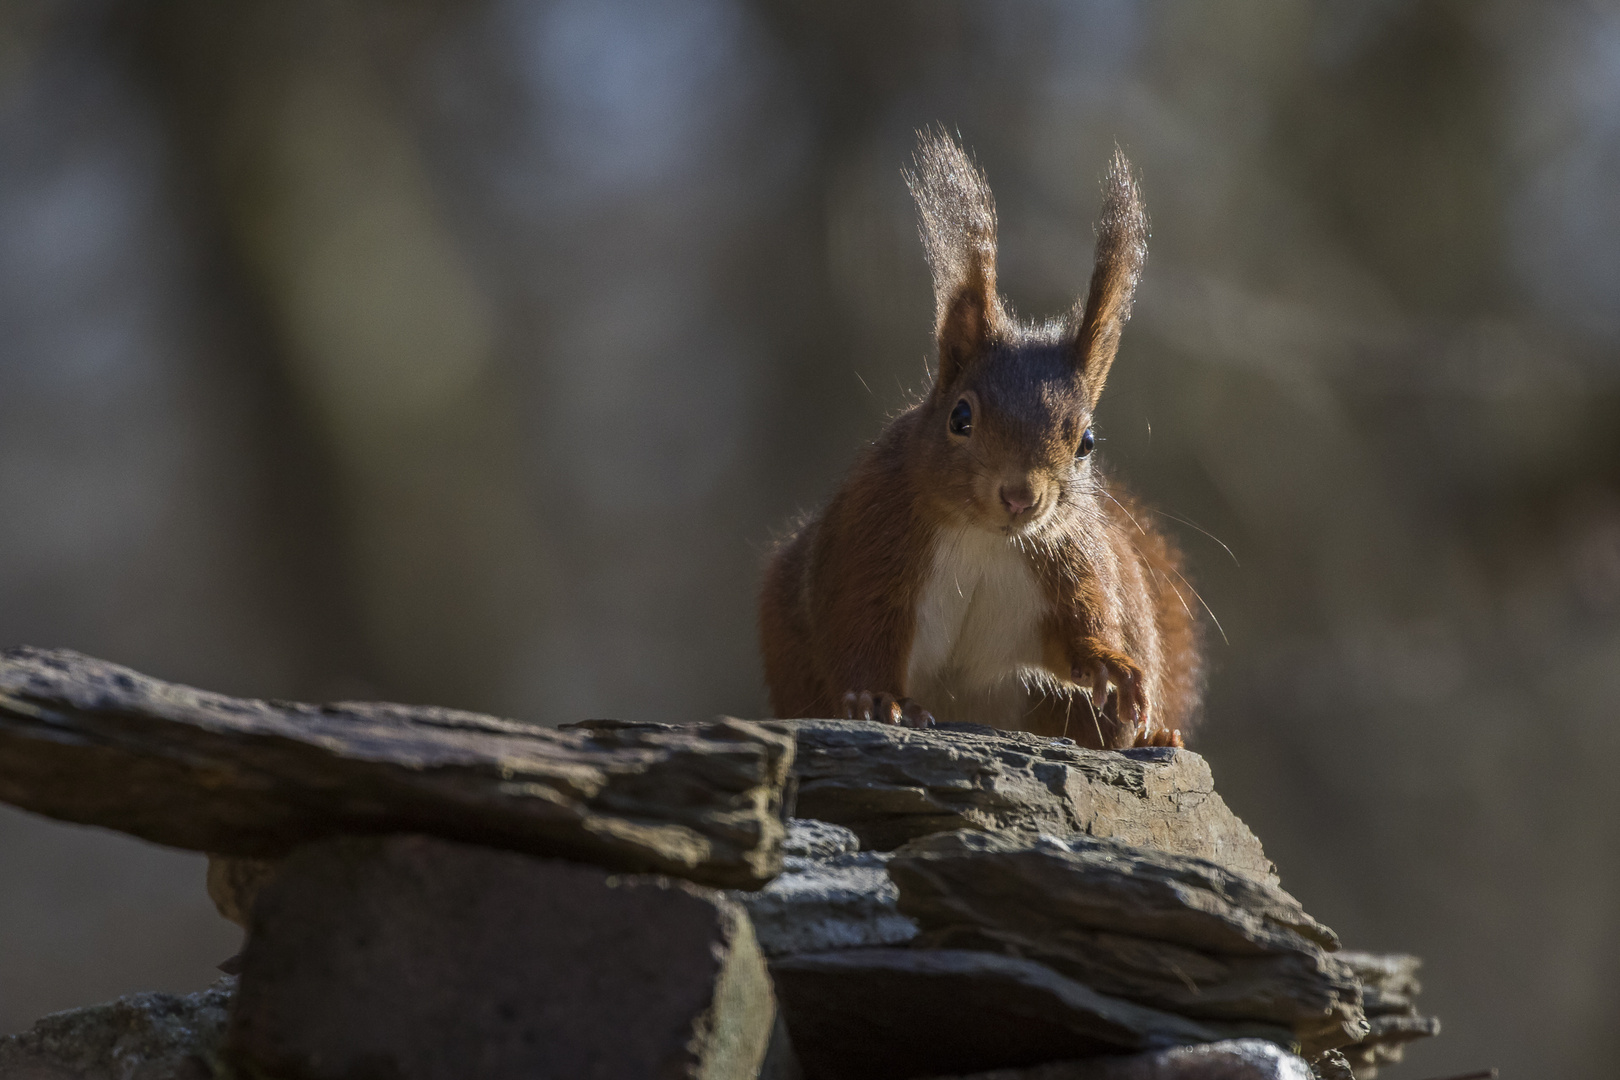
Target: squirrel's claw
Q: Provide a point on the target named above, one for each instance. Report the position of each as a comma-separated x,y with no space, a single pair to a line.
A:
1132,704
1161,737
1098,685
885,708
1131,710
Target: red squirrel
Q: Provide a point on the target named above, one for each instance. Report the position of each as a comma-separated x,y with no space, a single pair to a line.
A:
977,565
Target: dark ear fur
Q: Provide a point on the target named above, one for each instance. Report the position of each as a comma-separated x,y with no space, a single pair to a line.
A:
959,236
1122,234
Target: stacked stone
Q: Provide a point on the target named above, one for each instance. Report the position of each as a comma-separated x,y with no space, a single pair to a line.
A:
997,942
1389,988
429,893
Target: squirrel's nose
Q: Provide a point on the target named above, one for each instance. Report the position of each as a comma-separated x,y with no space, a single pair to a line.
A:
1017,498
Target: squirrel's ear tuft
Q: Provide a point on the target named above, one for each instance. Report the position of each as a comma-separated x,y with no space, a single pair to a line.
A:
959,236
1122,234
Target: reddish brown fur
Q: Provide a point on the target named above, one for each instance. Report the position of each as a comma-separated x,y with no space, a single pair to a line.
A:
839,610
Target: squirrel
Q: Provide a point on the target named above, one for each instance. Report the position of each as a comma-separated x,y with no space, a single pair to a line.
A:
976,565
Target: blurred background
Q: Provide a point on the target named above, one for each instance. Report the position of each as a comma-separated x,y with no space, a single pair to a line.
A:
472,353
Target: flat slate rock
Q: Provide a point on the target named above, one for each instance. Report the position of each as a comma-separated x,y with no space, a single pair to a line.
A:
91,742
893,784
1389,990
1236,1059
821,904
415,958
889,1014
148,1036
1171,931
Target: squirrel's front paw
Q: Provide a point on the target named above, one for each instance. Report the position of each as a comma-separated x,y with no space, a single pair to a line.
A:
1130,692
885,709
1158,736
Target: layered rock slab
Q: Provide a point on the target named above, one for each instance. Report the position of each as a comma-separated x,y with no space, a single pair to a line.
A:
893,784
1173,932
821,905
831,895
419,959
1389,996
808,839
91,742
888,1014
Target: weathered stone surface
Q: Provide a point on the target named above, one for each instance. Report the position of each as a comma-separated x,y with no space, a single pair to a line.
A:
1331,1065
1389,992
1170,931
92,742
841,902
139,1037
810,839
892,784
413,957
1236,1059
1148,918
895,1013
851,903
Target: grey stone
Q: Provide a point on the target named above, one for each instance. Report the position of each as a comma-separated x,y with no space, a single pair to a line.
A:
817,905
1171,931
894,1013
1331,1065
146,1036
1389,991
892,784
91,742
1400,1029
811,839
416,958
1236,1059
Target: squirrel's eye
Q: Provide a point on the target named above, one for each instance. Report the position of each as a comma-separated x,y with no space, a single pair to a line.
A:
1088,442
961,418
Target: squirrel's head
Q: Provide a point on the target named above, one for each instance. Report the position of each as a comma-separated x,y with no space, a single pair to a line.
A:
1007,427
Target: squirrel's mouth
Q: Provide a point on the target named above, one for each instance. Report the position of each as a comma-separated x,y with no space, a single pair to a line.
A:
1028,523
999,507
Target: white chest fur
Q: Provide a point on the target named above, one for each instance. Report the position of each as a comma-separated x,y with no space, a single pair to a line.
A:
978,622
